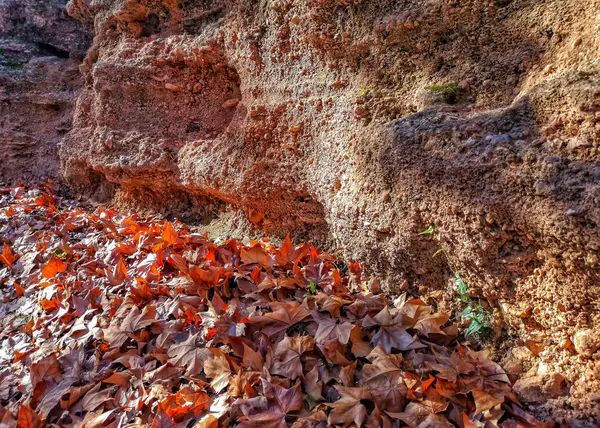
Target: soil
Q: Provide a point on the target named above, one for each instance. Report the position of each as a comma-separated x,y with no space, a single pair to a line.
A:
358,125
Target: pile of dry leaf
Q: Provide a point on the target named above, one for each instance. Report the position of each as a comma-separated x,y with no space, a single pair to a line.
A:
115,320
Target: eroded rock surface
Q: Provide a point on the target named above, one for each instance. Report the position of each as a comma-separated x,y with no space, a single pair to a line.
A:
360,124
40,49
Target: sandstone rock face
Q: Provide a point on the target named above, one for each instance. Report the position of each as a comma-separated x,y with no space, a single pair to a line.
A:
586,342
359,124
40,49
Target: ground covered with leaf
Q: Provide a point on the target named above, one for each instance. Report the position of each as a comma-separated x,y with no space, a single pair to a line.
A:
116,320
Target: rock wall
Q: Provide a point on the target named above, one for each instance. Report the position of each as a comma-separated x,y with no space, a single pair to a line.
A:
40,49
359,124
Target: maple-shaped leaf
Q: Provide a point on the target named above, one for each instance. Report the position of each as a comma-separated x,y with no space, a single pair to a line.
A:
377,419
418,415
116,335
385,380
287,399
288,254
365,304
331,304
334,352
431,323
8,256
190,355
118,274
313,385
272,414
187,400
208,277
316,420
287,359
97,419
318,272
360,348
52,397
95,398
450,368
169,235
256,255
390,334
490,395
348,409
53,267
217,369
284,315
252,359
46,368
331,329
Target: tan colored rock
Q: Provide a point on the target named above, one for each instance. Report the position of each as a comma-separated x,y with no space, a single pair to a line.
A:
231,103
173,88
538,389
586,342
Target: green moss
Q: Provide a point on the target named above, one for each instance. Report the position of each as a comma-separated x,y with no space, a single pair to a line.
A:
15,65
448,90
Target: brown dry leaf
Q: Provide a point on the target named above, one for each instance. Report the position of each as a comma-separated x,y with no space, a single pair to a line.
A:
256,255
418,414
391,334
252,359
313,385
116,335
332,329
46,368
95,398
315,420
360,348
287,359
348,409
189,355
378,420
284,315
217,369
281,402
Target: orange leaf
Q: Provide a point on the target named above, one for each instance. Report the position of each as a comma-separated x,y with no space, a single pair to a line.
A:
8,256
50,305
169,235
27,417
19,290
54,266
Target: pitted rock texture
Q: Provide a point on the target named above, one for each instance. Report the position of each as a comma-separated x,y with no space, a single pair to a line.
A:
40,50
359,124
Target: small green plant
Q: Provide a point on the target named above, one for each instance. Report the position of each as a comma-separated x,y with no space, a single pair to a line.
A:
461,288
15,65
429,231
448,90
475,314
58,252
478,318
312,289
